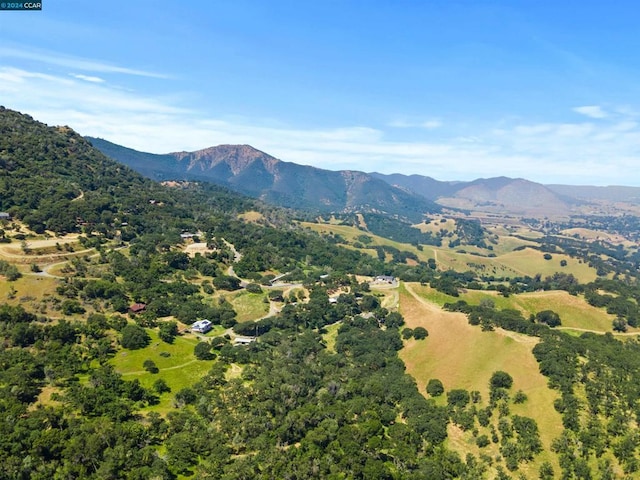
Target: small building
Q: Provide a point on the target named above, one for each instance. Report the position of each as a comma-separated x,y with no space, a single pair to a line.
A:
5,216
187,235
385,279
243,340
137,307
201,326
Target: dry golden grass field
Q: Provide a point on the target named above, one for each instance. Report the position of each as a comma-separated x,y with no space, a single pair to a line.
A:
462,356
251,216
575,313
505,263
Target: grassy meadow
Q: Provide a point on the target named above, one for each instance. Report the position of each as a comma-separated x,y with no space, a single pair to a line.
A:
330,336
179,369
463,356
507,262
248,306
575,312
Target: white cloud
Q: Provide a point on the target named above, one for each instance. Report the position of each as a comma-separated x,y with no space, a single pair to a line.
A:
591,111
432,124
53,58
88,78
604,152
404,123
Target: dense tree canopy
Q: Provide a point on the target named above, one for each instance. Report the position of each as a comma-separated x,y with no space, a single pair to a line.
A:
321,393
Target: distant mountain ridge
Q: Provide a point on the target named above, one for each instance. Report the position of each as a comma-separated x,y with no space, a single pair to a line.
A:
498,194
255,173
260,175
612,193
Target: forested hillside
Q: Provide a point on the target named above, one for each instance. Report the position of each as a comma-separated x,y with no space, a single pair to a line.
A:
257,174
298,374
72,415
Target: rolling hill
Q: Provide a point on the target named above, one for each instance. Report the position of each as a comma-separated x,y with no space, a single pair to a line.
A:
494,195
255,173
336,383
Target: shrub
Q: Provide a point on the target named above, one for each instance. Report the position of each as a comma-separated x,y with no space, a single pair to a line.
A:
420,333
435,387
202,351
160,386
520,397
150,366
482,441
458,397
134,337
501,379
253,288
168,331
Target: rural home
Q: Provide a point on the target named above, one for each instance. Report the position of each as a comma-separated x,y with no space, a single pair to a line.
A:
384,279
5,216
201,326
243,340
137,307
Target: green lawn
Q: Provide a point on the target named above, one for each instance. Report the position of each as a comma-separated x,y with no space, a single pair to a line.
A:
248,306
330,336
180,369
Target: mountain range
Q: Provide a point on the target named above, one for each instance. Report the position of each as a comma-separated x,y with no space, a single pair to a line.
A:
260,175
257,174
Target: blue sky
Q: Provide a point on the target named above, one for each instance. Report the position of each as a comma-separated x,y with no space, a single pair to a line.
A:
456,90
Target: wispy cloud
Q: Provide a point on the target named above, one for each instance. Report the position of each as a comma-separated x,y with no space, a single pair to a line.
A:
74,63
432,124
591,111
600,152
88,78
427,124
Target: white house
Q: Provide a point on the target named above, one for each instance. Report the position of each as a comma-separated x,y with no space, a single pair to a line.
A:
201,326
385,279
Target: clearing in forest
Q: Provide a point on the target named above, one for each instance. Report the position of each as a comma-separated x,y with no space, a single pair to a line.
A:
463,356
176,362
249,306
575,313
503,262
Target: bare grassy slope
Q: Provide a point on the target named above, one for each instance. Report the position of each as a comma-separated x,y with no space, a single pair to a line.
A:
462,356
